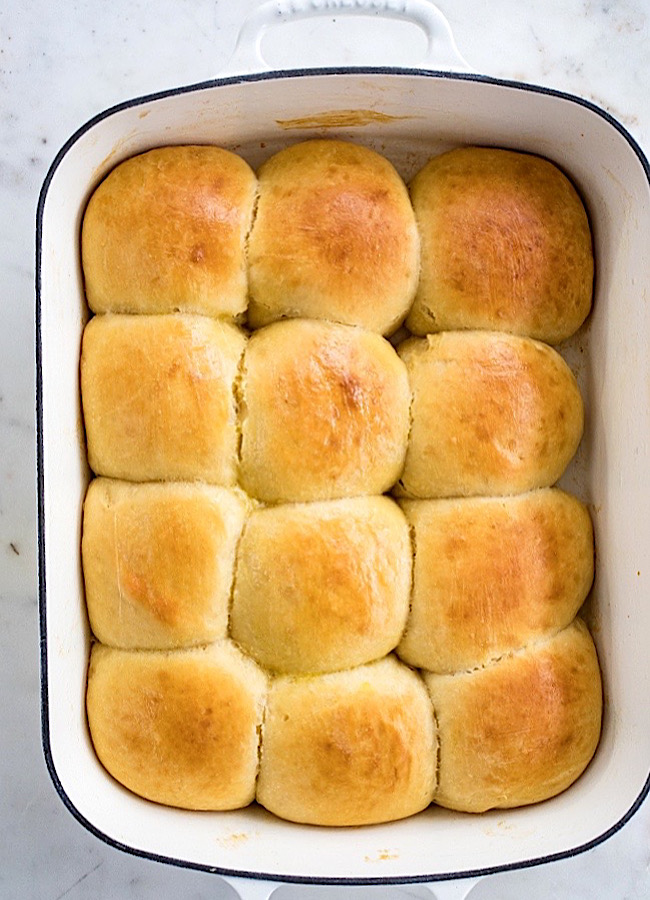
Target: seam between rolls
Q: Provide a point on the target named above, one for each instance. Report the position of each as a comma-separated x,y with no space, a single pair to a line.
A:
407,624
241,411
260,733
436,784
436,729
247,242
532,644
235,570
398,488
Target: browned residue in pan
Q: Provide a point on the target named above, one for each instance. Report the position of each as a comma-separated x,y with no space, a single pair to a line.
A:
231,841
340,118
382,855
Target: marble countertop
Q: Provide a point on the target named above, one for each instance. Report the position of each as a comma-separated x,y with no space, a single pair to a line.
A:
61,63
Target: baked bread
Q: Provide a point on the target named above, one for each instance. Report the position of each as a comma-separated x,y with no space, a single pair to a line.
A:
251,588
165,232
158,397
178,727
506,246
492,574
334,238
349,748
322,586
521,729
491,414
159,561
326,412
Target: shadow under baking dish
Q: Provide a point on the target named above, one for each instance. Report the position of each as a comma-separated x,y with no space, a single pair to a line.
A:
409,116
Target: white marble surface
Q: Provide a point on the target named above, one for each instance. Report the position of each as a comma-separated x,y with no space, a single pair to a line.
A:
60,63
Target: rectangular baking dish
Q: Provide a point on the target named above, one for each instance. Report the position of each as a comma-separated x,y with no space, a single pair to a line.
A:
409,115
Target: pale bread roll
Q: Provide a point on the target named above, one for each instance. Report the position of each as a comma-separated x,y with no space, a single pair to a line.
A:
349,748
325,412
178,727
334,238
158,397
165,232
521,729
491,414
159,561
492,574
506,246
322,586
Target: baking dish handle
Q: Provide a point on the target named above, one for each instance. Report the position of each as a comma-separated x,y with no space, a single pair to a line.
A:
253,889
441,53
452,890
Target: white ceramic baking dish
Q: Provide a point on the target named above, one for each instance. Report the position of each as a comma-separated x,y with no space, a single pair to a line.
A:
409,115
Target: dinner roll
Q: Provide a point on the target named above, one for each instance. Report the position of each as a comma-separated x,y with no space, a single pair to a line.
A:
506,246
322,586
178,727
334,238
325,412
158,561
491,414
523,728
492,574
349,748
158,397
166,232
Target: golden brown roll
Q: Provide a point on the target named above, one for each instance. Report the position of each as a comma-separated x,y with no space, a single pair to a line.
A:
178,727
506,246
334,238
159,561
493,574
325,412
158,397
322,586
166,232
523,728
491,414
349,748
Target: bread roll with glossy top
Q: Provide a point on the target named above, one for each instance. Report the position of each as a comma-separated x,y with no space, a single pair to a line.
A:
325,412
521,729
349,748
506,246
165,232
322,586
178,727
334,238
158,397
492,414
159,561
492,574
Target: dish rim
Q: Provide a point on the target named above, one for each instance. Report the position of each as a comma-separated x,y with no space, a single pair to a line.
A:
276,74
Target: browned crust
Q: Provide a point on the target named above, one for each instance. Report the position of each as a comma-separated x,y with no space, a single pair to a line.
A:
522,729
493,574
180,728
334,238
158,397
166,230
322,586
506,245
492,413
326,412
350,748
